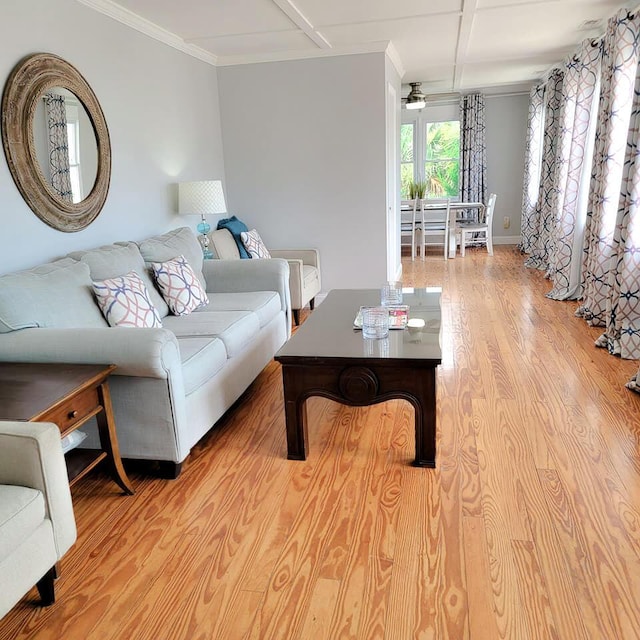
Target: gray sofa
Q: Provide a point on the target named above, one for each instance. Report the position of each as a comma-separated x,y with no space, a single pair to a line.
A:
172,383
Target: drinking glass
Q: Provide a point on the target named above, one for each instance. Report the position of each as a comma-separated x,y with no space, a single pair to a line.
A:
375,322
391,294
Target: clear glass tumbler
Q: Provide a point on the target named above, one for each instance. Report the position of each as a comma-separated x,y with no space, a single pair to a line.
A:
391,294
375,322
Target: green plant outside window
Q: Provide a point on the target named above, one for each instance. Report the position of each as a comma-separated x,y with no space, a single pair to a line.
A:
442,159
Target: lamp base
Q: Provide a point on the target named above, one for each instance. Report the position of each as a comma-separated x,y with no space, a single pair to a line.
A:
204,227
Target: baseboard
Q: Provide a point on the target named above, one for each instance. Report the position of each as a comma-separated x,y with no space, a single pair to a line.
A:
507,240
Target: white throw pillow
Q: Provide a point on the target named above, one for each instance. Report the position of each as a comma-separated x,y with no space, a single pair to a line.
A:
254,245
125,302
179,285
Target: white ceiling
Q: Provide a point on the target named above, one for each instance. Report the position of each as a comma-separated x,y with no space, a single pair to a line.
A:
448,45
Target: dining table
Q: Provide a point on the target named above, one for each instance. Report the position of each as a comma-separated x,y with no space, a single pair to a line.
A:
455,219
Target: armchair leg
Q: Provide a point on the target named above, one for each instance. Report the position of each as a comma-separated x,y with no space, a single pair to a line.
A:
296,316
46,587
312,303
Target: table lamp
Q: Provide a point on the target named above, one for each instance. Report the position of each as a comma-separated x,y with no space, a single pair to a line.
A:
202,198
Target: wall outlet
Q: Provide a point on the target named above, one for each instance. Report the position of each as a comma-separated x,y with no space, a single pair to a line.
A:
506,223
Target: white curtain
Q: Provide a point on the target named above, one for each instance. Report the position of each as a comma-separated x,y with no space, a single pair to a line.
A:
58,145
574,155
473,153
532,167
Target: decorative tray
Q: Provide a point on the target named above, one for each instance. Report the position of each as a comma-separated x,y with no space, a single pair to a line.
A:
398,317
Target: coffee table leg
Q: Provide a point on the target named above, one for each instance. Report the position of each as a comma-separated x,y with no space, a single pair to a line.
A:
295,412
426,421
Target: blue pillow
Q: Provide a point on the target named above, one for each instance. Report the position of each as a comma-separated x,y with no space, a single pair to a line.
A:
235,227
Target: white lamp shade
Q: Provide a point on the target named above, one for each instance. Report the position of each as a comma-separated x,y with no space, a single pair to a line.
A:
201,198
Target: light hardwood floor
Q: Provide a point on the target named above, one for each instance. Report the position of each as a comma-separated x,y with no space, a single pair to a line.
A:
529,528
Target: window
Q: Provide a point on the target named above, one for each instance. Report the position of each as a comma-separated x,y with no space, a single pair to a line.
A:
442,159
407,164
430,151
73,140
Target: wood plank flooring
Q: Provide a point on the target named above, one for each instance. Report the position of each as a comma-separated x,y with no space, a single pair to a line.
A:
529,527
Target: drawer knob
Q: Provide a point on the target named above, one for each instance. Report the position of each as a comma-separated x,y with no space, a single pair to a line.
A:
72,414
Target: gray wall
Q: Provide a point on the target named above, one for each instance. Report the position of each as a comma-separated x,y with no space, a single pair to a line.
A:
506,121
304,150
162,111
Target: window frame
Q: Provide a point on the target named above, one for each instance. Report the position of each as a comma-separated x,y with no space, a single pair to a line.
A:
420,119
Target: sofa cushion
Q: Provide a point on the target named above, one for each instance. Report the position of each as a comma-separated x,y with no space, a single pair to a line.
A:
236,227
119,259
180,286
254,245
57,294
265,304
21,512
125,302
236,329
223,245
201,359
174,243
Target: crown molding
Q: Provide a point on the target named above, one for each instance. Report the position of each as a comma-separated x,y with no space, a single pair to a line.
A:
281,56
134,21
396,60
130,19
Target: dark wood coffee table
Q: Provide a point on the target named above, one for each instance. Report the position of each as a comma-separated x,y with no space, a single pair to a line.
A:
327,357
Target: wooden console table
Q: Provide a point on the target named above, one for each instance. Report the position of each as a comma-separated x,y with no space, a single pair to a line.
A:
68,395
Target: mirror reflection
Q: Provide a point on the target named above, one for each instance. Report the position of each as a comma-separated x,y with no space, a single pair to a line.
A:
65,144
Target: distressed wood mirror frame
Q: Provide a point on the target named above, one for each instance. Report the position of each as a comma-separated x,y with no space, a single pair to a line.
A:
31,78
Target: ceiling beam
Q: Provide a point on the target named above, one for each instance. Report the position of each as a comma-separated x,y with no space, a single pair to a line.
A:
464,35
300,20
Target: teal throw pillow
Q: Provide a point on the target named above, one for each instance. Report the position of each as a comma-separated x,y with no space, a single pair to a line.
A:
235,227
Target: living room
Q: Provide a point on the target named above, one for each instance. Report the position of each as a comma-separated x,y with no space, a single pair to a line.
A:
301,147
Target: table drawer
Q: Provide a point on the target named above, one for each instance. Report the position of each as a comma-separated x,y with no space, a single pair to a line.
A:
74,409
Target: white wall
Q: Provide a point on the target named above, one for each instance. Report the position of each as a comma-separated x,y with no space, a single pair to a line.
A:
393,106
506,126
304,150
161,108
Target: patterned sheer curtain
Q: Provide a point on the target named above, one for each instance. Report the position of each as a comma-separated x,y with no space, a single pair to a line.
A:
473,160
542,221
532,168
619,68
578,116
622,336
58,145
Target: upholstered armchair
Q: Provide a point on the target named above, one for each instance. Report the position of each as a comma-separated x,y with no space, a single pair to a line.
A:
304,277
37,526
304,268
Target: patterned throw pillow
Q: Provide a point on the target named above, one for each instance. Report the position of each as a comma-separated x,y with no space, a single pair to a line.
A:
254,245
179,286
125,302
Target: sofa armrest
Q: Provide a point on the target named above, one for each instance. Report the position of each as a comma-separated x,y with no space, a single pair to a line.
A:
31,456
151,353
310,257
229,276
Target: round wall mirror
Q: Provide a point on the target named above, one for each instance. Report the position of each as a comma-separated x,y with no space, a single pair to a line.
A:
56,141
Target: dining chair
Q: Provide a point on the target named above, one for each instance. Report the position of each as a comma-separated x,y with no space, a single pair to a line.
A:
408,222
435,229
482,232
